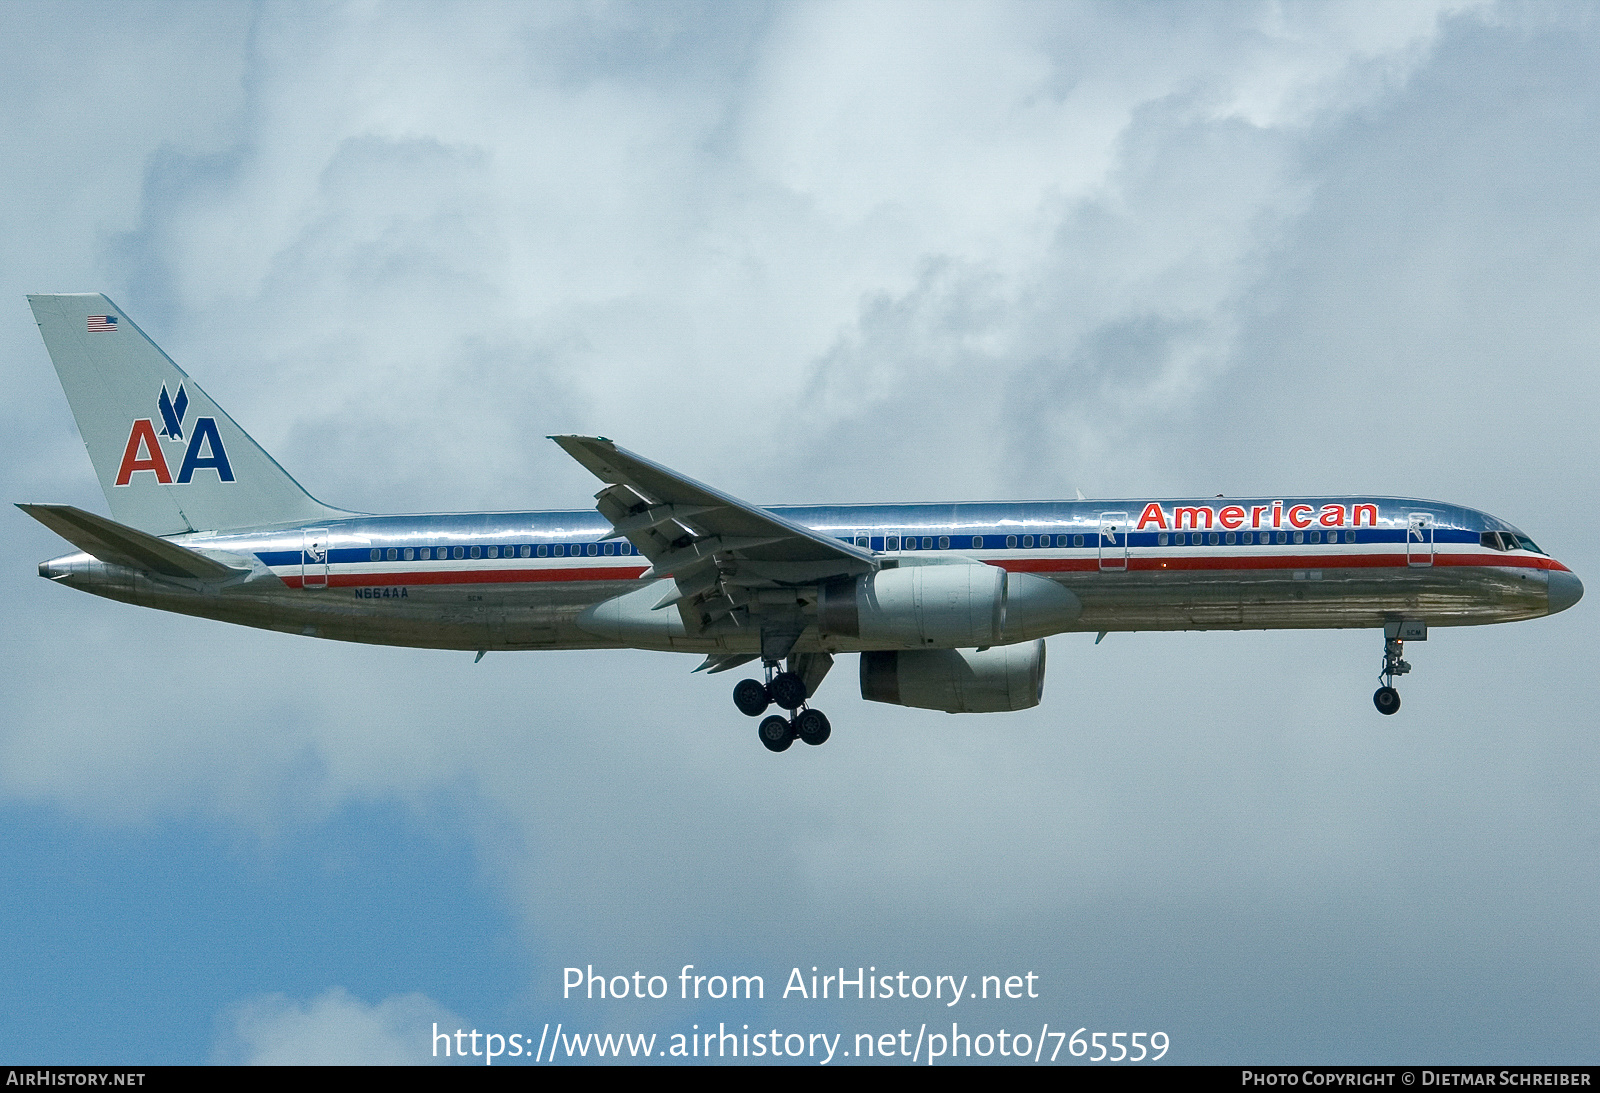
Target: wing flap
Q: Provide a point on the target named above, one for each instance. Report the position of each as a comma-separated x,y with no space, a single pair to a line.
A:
654,489
711,544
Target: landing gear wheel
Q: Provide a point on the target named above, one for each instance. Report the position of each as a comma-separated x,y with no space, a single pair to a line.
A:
812,727
1387,699
751,697
776,733
788,690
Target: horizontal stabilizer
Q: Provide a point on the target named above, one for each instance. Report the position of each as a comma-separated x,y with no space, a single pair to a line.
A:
119,544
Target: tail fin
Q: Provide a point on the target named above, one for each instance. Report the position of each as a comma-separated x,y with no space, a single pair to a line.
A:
169,459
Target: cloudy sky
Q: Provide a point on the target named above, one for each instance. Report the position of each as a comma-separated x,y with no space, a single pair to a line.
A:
811,252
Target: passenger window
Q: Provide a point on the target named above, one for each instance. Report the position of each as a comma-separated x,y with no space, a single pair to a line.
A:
377,555
1299,536
1027,540
944,544
1248,538
541,550
1077,540
1316,536
1283,536
1349,536
890,542
394,554
425,553
1231,538
458,552
1161,539
408,553
909,542
1011,541
927,542
977,542
477,552
594,548
610,547
494,552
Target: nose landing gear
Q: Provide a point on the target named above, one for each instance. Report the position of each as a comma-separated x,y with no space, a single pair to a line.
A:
1386,698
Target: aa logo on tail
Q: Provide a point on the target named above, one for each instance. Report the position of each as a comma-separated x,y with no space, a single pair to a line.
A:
203,450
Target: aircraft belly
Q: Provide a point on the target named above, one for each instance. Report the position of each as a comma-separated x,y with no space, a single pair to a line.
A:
506,616
1305,599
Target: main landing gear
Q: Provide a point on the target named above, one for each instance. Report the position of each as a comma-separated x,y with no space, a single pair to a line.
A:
1386,698
788,691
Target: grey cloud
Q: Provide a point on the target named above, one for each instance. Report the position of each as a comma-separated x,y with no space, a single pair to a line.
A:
1216,250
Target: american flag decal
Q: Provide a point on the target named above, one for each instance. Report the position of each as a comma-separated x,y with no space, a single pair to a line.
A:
102,323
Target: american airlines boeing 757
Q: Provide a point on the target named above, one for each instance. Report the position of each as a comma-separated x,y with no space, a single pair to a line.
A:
948,605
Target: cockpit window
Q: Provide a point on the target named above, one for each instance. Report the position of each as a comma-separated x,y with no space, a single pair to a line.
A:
1507,540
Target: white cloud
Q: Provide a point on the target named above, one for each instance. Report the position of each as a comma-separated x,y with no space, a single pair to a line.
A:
332,1029
450,228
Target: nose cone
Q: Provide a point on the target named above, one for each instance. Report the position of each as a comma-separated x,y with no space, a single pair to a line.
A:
1565,590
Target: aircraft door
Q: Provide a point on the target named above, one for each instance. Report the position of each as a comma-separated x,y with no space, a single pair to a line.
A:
1419,539
314,558
1114,542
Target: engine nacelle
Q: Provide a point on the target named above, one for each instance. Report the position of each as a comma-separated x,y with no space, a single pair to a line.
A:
995,680
961,605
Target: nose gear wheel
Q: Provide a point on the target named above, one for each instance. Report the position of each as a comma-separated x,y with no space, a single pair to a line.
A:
1386,698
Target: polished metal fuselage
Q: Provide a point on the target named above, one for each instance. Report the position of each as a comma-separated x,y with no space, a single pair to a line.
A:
523,580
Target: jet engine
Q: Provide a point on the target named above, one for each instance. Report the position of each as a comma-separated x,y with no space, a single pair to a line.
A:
945,606
995,680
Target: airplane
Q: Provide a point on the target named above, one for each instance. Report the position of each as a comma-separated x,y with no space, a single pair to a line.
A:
948,605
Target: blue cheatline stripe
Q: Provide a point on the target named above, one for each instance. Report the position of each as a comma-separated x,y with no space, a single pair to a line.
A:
992,540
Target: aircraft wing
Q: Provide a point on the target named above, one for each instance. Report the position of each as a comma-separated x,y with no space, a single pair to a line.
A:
715,547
